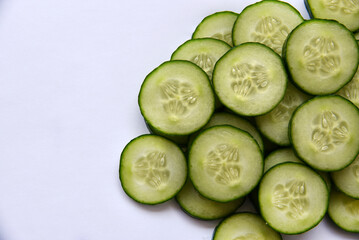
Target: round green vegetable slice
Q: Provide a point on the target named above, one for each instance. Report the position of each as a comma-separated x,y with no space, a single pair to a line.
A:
202,208
152,169
218,25
250,79
245,226
323,132
225,163
292,198
176,98
321,56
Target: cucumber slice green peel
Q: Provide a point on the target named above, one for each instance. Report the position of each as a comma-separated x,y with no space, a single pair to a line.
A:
225,163
176,98
152,169
321,56
323,132
244,226
197,206
293,198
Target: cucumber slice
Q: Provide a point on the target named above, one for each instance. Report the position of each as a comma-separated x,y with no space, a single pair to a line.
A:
250,79
176,98
292,198
202,208
323,132
268,22
181,140
204,52
152,169
351,90
344,211
321,55
225,118
287,155
280,156
225,163
244,226
218,25
344,11
274,125
347,180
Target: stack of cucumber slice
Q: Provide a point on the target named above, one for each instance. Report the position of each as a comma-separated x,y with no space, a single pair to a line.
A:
263,104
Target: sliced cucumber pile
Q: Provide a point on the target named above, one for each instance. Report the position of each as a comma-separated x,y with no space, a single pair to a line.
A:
215,111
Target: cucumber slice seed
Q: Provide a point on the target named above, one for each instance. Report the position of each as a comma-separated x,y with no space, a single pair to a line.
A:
218,26
225,163
292,198
176,98
321,56
250,79
268,22
323,132
152,169
202,208
244,226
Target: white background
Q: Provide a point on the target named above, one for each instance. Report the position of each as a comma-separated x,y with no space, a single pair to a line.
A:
70,72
